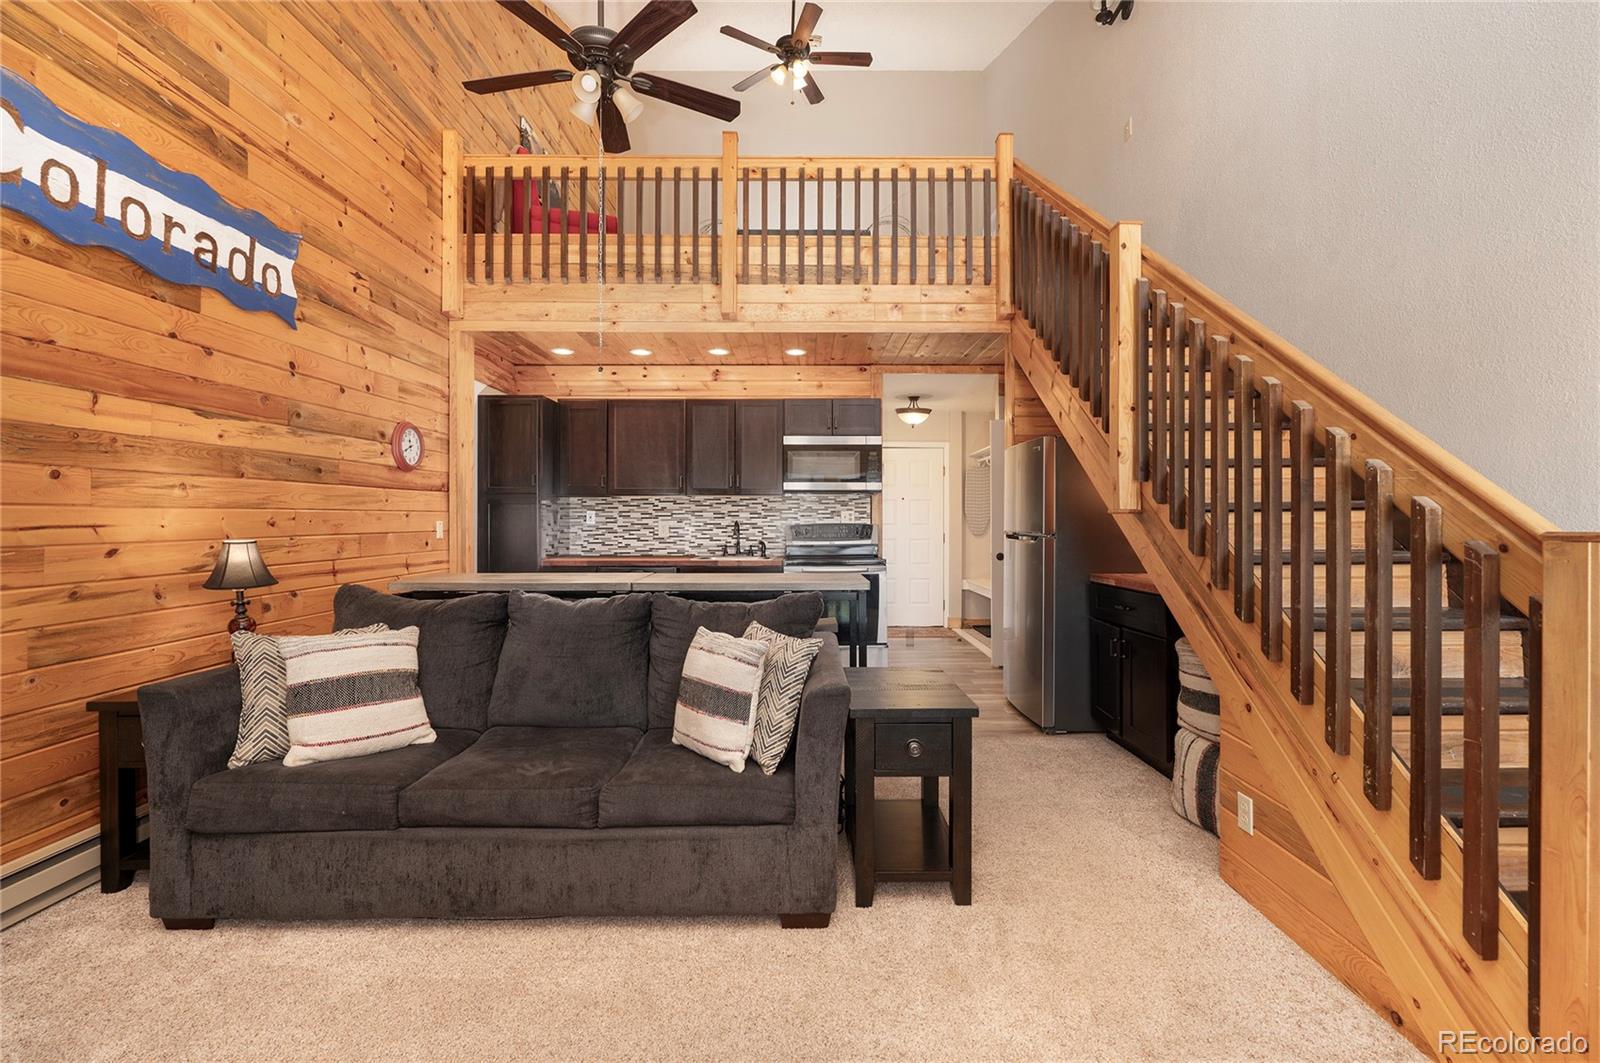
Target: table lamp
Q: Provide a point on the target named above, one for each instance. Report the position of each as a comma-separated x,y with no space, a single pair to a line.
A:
239,568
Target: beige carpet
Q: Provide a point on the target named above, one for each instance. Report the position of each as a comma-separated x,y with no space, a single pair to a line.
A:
1099,930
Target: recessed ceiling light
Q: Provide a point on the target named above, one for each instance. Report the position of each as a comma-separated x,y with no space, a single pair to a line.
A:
720,352
795,352
561,352
640,352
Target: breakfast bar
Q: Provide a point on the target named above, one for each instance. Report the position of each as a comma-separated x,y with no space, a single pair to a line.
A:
843,589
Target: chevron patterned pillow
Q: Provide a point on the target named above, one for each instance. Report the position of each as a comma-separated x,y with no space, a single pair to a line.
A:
263,727
783,678
716,711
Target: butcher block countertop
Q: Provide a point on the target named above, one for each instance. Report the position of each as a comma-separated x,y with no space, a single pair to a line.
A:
645,561
1132,581
622,582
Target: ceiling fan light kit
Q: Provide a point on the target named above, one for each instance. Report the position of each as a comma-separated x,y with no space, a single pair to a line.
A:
606,85
794,54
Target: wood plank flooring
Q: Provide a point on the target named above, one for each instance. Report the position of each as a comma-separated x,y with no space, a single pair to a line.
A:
938,648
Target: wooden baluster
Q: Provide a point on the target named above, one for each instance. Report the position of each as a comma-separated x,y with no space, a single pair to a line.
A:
876,215
1160,452
783,225
1271,518
600,230
838,225
912,186
1178,437
1535,679
933,229
1102,348
677,225
566,215
622,228
1377,669
855,233
967,245
1336,649
527,224
800,225
765,231
950,225
638,224
1302,552
1056,304
583,223
744,270
509,228
1244,488
988,224
1197,438
659,240
694,226
472,224
716,227
1141,405
1480,827
1096,252
544,225
1071,252
1220,462
821,182
488,225
1427,741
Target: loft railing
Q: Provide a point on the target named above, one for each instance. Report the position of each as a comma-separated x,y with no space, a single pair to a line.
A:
525,221
1283,484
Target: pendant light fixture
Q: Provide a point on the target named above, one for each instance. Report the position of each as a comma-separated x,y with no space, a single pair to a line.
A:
913,414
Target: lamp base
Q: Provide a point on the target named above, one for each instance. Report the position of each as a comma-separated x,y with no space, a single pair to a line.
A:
242,620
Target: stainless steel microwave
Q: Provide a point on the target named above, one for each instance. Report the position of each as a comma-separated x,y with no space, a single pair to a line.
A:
832,463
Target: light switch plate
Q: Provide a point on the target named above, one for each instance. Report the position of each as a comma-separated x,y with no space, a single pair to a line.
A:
438,529
1247,814
663,527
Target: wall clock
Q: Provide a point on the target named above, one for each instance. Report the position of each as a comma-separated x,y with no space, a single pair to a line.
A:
406,446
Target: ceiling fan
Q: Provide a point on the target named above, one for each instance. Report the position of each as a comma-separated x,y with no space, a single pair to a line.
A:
605,81
795,57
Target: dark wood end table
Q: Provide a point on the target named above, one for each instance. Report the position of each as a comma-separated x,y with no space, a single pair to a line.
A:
907,722
121,762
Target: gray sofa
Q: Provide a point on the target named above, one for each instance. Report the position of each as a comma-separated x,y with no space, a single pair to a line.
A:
553,787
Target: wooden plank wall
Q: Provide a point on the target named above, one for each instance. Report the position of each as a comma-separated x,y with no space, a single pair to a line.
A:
143,422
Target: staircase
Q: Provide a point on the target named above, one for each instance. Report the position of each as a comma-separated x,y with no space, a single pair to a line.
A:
1407,656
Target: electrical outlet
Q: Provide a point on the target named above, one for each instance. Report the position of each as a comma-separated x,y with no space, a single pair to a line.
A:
438,529
663,527
588,518
1247,814
844,516
1127,130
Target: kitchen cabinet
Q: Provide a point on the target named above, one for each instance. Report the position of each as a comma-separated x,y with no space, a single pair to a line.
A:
583,447
516,472
759,443
1133,684
647,447
713,448
832,417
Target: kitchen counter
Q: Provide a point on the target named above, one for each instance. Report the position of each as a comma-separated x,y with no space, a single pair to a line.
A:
714,563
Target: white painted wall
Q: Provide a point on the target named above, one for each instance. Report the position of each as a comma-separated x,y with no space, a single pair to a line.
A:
1407,191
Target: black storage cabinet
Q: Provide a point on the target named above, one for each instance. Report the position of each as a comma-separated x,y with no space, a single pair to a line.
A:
1134,671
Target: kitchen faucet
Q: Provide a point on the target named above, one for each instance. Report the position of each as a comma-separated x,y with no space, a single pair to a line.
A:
736,549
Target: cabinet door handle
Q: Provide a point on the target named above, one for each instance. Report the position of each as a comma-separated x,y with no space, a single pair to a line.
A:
913,749
1116,647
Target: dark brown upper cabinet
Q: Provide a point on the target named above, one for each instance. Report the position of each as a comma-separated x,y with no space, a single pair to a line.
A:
583,447
832,417
516,471
647,447
760,448
713,462
509,431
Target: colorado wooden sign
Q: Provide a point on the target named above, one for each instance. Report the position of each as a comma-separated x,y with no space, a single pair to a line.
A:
95,187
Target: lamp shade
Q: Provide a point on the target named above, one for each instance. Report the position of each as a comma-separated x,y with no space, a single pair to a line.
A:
239,567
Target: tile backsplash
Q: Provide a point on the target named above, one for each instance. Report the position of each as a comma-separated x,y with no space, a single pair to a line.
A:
694,524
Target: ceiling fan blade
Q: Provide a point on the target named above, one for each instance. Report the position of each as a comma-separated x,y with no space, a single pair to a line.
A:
645,30
676,92
842,58
749,38
613,130
544,24
813,93
756,78
808,22
516,81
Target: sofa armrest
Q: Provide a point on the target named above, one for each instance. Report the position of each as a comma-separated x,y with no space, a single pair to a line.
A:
190,726
819,738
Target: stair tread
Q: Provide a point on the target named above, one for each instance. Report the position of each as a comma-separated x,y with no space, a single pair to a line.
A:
1449,620
1513,795
1452,695
1320,557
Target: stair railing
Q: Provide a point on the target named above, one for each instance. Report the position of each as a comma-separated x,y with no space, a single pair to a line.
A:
1190,397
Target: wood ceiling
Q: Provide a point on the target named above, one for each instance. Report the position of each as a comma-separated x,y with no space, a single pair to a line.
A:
745,348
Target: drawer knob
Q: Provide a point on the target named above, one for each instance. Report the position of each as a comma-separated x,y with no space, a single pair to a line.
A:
913,748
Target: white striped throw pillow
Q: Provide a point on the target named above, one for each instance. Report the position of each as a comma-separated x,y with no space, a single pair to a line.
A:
263,698
716,711
783,678
352,693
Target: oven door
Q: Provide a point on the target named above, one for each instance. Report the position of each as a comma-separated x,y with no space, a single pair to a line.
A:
832,467
877,615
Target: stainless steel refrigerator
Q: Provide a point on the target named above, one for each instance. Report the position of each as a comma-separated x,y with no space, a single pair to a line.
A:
1058,532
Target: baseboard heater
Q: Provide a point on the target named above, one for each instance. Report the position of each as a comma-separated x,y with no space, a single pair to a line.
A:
39,880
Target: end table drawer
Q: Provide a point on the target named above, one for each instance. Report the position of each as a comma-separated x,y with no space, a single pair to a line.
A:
912,749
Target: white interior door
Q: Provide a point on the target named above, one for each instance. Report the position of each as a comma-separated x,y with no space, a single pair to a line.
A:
914,505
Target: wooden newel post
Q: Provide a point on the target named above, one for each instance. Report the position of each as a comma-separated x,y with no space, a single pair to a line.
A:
1127,251
1569,795
1004,159
729,262
462,485
450,295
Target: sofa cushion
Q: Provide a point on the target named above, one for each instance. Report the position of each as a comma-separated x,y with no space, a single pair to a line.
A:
521,777
667,785
355,794
457,654
573,664
673,622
